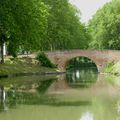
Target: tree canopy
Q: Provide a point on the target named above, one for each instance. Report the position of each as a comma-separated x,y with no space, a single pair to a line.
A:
41,25
105,27
23,23
65,31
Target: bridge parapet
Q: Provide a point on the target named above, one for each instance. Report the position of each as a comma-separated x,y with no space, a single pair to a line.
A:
101,58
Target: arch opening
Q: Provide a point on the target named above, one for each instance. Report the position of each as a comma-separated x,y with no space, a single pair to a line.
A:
82,72
81,61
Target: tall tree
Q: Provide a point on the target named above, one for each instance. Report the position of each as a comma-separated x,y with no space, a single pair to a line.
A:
105,27
64,31
22,24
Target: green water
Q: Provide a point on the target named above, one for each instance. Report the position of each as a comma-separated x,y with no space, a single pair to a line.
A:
81,94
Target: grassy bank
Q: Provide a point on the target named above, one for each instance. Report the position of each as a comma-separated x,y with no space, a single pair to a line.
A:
113,68
22,65
113,71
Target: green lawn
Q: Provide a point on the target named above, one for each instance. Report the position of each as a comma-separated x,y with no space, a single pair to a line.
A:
22,65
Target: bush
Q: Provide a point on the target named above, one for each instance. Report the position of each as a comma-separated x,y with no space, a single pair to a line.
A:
109,67
44,61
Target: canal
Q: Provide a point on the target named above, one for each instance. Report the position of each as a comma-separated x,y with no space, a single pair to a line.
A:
80,94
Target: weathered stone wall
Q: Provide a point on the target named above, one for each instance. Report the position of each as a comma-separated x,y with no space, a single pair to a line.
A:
101,58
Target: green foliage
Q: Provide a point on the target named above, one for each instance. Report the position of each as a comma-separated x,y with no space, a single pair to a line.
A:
113,68
81,62
105,27
64,29
44,85
31,25
109,67
12,49
116,68
44,61
23,23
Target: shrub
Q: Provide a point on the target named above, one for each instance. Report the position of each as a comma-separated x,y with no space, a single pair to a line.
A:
109,67
44,61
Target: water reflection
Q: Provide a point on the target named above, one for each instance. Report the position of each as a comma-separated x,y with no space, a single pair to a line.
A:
32,90
44,85
35,91
87,116
2,94
24,90
3,99
41,96
81,77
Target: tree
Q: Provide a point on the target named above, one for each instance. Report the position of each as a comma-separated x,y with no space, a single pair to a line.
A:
22,24
105,27
64,31
41,25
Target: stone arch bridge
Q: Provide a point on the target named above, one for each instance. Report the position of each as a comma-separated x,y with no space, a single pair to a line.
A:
100,58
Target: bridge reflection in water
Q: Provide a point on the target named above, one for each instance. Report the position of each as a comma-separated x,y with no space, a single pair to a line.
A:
49,97
81,77
75,78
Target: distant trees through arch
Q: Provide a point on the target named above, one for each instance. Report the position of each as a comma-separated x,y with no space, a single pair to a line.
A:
78,62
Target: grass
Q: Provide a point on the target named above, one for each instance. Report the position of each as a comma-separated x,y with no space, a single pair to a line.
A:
113,68
22,65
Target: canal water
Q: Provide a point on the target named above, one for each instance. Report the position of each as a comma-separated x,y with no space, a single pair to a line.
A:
80,94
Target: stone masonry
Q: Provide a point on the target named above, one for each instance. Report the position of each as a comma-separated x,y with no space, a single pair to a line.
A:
100,58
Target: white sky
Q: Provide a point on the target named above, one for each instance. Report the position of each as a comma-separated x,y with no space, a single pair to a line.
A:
88,7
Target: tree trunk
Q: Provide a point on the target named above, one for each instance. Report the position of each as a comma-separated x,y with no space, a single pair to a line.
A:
2,53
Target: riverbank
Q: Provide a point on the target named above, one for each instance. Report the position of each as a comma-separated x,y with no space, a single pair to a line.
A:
22,67
113,68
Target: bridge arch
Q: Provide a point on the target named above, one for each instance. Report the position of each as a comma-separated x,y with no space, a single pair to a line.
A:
100,57
82,60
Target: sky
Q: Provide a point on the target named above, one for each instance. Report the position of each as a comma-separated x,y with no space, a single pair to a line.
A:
88,7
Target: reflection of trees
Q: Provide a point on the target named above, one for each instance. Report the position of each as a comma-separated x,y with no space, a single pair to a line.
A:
27,83
44,85
81,77
40,85
2,98
3,106
2,93
24,91
38,99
